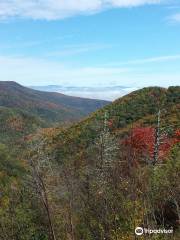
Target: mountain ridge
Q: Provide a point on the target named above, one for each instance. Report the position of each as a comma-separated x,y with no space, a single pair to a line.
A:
56,98
138,108
20,105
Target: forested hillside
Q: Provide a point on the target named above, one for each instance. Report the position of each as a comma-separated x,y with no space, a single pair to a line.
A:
100,178
23,110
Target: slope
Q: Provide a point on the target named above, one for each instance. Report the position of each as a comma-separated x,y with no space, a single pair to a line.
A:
107,180
22,110
137,109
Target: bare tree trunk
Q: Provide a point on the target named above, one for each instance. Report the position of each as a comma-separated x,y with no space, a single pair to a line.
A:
46,205
41,190
157,139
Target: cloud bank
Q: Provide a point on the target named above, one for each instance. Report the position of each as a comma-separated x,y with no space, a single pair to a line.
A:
34,71
59,9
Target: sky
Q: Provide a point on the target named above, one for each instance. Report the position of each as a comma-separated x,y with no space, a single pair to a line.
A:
95,44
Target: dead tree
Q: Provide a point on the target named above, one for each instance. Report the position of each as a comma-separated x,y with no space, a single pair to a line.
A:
39,165
157,139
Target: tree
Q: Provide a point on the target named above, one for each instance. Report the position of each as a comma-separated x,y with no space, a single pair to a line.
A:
40,171
17,216
146,145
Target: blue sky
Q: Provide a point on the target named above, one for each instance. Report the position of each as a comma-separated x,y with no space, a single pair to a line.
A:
133,43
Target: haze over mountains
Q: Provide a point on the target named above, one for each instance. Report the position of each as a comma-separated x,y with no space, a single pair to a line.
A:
102,92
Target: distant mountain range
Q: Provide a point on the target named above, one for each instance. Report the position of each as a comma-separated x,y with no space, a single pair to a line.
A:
107,93
23,109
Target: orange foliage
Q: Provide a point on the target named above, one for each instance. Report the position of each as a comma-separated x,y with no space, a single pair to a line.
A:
15,124
142,141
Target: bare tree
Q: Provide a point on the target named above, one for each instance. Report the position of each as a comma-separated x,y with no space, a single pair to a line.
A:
40,168
157,139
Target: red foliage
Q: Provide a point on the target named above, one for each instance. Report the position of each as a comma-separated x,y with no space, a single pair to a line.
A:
110,123
177,136
142,142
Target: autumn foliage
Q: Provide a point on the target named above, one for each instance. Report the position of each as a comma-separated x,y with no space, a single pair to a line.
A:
142,142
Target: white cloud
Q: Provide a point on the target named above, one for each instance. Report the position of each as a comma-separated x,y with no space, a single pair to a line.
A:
99,93
59,9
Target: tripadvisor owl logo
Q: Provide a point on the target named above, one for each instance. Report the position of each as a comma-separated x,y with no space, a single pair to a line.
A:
139,231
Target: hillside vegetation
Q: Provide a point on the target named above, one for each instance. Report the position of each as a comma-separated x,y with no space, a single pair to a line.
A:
100,178
116,170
